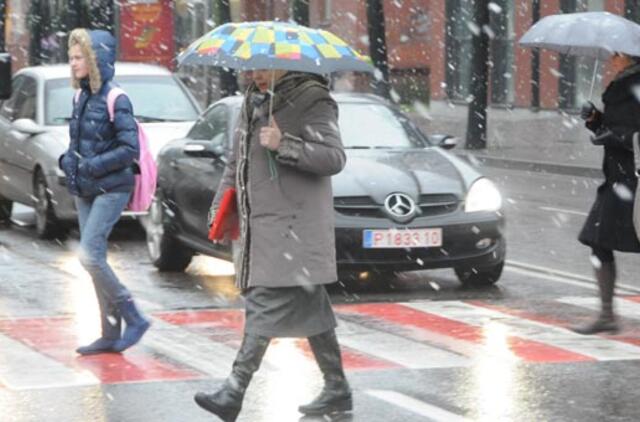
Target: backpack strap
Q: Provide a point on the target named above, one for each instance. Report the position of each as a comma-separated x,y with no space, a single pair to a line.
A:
113,94
76,96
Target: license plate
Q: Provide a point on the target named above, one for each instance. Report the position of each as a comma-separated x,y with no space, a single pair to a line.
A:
394,238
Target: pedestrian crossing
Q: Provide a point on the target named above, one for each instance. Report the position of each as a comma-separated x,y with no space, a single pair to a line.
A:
38,352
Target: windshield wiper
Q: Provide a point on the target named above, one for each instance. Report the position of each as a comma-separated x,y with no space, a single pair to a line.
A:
149,119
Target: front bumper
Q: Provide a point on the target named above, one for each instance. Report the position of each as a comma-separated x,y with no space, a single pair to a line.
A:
470,240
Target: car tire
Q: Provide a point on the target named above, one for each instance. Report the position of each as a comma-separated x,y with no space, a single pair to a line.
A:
480,277
165,251
47,225
5,210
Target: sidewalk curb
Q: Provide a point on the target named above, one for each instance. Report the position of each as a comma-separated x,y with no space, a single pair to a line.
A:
530,165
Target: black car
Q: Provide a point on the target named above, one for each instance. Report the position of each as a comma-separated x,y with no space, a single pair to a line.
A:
402,203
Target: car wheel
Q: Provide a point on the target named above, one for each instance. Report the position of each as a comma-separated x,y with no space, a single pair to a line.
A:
481,276
165,251
5,210
47,225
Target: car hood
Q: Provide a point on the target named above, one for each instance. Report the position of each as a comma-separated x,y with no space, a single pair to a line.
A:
159,134
376,174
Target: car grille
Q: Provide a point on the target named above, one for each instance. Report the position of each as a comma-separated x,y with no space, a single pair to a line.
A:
364,206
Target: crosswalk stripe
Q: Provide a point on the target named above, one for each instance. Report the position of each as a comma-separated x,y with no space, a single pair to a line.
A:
419,407
396,349
626,307
461,337
221,321
192,349
22,368
594,347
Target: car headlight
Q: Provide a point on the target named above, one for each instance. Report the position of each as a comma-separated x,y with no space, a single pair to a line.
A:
483,196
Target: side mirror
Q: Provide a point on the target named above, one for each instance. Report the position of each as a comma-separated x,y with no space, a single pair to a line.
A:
27,126
203,149
5,76
445,141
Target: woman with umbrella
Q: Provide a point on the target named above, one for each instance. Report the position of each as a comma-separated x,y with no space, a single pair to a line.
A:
286,148
609,225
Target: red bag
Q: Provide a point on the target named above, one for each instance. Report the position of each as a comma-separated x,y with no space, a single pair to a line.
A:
226,224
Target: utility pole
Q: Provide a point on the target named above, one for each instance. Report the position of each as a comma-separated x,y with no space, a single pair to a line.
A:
535,61
2,21
477,117
378,46
228,81
300,12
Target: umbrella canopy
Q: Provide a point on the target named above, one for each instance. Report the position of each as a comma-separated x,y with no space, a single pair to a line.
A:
591,34
273,45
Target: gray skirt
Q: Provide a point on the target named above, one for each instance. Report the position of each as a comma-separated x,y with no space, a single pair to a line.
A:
288,311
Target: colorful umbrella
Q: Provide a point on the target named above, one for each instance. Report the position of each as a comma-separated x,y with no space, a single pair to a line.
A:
274,45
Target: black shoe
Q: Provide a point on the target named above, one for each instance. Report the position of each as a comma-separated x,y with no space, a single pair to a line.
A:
329,401
224,403
600,325
101,345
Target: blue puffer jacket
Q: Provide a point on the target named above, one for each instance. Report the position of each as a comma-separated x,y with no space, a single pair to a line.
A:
101,153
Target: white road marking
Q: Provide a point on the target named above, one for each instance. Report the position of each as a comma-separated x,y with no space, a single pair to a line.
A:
563,276
397,349
552,209
419,407
192,349
22,368
595,347
626,308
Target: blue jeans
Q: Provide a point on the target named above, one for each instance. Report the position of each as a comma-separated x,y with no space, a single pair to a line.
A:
96,217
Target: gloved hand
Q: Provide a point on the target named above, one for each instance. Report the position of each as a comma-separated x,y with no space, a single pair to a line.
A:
604,137
588,110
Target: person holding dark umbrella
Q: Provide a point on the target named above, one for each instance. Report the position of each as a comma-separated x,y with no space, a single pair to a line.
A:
609,226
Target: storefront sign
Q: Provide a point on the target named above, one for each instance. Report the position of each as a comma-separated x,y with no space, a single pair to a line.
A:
146,32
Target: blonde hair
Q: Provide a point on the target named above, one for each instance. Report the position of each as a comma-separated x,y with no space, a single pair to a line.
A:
81,38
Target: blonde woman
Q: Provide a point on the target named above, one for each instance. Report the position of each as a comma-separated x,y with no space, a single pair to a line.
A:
99,168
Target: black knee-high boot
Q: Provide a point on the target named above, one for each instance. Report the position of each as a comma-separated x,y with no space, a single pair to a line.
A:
606,321
336,394
227,401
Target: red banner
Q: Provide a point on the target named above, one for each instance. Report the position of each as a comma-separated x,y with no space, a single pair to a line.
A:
146,32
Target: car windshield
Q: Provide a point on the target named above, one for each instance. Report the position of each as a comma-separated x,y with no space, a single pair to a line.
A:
377,126
154,99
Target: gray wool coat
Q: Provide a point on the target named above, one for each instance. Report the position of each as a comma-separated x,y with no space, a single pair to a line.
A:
286,222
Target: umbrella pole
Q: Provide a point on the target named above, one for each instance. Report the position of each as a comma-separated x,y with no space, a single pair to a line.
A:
593,79
273,170
273,77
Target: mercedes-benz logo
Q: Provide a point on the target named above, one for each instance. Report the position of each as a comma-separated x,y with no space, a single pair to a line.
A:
400,206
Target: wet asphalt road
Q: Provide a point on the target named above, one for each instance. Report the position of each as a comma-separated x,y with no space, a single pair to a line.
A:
418,348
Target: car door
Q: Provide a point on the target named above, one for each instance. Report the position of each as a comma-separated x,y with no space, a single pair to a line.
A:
21,150
198,177
8,112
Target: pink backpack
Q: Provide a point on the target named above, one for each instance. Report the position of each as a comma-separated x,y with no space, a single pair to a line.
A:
145,182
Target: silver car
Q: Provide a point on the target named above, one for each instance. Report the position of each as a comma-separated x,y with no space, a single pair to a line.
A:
34,132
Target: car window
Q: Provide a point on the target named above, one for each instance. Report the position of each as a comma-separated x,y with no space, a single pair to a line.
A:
154,98
212,125
385,128
8,109
25,105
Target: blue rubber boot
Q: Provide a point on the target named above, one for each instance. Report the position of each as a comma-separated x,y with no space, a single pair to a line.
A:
101,345
137,325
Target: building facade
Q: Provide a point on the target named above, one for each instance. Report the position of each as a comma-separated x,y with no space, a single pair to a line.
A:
428,41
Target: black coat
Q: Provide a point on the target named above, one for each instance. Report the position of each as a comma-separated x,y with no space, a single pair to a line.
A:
610,222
